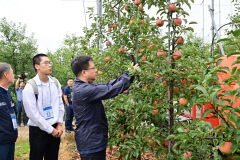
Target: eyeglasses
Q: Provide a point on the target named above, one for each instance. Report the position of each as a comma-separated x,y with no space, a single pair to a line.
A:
48,63
91,68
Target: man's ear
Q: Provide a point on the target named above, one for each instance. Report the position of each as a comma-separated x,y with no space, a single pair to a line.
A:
36,66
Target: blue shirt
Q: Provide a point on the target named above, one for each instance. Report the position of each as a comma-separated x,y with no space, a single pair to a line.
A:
91,132
19,94
68,92
7,133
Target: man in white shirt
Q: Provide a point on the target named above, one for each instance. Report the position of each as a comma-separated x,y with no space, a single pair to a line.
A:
45,111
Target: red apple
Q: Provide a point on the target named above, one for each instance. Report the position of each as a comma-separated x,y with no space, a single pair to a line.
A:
155,102
161,53
177,55
159,22
226,148
183,101
108,43
114,26
109,29
131,21
187,155
177,21
115,148
126,8
150,46
172,8
142,21
155,112
137,2
180,40
107,59
144,58
186,130
121,50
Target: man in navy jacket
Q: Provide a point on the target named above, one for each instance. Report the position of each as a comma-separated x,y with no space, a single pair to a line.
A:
8,123
91,133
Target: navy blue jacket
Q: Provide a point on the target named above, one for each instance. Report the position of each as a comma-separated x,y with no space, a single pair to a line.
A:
7,133
91,122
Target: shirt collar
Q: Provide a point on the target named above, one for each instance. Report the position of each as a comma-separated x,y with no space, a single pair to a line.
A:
6,89
38,81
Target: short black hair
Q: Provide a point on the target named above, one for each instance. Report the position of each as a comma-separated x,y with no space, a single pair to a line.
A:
37,59
69,79
80,63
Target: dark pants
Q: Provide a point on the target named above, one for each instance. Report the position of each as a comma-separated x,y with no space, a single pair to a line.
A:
94,156
43,144
20,109
7,151
69,117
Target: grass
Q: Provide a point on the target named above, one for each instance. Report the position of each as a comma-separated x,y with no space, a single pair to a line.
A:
22,149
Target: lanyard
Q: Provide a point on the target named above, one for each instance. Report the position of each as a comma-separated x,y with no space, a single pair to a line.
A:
7,101
49,92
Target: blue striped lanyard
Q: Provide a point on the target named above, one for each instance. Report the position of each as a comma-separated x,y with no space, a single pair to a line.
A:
49,92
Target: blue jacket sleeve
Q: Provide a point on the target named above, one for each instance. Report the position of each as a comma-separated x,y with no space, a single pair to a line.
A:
108,90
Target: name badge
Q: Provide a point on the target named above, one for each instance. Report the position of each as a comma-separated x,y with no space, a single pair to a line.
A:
2,104
14,121
48,112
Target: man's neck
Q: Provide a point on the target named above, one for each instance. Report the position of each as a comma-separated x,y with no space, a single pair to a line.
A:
4,85
82,79
43,77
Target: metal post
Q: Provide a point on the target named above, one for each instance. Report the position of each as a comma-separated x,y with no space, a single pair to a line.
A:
99,13
212,26
215,28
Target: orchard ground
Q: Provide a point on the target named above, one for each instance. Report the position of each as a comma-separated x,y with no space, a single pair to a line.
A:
67,149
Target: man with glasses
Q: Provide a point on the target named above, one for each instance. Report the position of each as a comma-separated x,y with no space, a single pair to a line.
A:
91,133
42,99
8,123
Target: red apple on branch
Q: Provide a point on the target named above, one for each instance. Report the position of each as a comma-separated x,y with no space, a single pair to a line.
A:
172,8
161,53
137,2
187,155
226,148
180,40
178,21
177,55
159,22
144,58
183,101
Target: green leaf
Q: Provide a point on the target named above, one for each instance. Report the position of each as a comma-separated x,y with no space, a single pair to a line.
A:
233,70
219,61
180,129
223,40
202,89
193,22
213,97
234,147
207,111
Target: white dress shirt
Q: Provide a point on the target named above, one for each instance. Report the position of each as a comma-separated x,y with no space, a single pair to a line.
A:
34,110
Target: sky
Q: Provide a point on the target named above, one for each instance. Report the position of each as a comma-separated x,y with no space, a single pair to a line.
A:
51,20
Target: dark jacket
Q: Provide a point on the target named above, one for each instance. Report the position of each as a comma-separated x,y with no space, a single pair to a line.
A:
91,122
7,133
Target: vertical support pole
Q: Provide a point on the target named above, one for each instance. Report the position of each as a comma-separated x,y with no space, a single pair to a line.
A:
215,28
212,10
99,13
